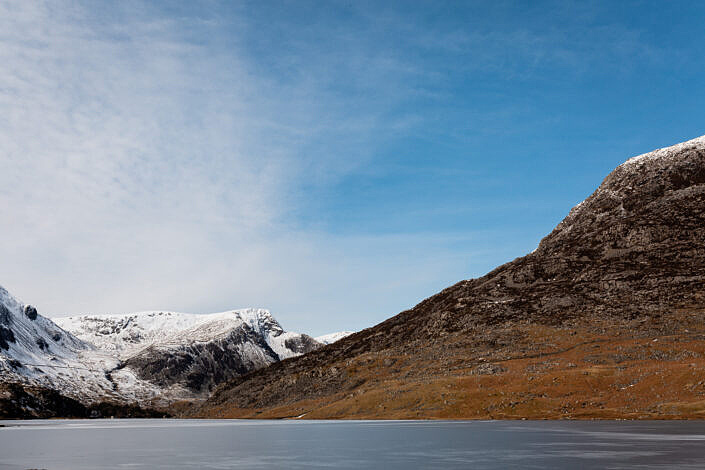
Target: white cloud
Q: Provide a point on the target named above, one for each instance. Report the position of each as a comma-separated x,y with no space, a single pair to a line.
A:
118,161
141,170
145,164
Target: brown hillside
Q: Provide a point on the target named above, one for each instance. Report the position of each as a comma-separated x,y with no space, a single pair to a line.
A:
604,319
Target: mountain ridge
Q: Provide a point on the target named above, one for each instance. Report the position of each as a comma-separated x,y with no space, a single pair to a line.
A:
628,262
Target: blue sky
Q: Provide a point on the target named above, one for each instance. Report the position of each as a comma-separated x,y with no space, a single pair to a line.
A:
336,162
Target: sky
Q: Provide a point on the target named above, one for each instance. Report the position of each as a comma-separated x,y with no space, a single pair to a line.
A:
335,162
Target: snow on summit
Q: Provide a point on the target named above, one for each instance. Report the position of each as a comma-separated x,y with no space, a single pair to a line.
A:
193,351
126,333
667,152
333,337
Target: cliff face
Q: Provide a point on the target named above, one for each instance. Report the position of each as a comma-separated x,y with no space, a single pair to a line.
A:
200,365
627,264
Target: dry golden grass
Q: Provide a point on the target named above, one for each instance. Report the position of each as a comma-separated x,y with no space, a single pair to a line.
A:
560,373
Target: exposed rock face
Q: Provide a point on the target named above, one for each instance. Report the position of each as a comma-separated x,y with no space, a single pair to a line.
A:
4,315
301,344
6,337
200,366
31,312
633,253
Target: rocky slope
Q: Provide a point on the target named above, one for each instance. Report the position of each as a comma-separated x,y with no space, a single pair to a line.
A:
603,319
35,351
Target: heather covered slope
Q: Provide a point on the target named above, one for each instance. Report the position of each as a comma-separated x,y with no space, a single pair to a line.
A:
626,267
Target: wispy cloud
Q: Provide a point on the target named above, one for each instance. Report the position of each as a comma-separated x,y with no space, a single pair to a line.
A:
166,156
143,169
125,149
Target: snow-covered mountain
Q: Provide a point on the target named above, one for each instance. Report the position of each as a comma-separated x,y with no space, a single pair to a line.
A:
128,334
35,351
195,351
149,357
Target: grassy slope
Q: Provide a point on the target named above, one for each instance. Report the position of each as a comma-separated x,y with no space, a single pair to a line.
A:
642,370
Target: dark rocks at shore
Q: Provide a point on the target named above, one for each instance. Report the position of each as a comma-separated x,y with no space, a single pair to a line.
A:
19,401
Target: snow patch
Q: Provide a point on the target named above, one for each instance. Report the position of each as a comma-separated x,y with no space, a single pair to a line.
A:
333,337
666,152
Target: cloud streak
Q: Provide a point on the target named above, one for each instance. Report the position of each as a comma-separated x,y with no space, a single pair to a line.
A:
141,169
189,156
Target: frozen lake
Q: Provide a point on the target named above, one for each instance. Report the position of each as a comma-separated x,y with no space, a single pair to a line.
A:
222,444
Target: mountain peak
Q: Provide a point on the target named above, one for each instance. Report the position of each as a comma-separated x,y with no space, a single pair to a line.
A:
623,205
667,153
